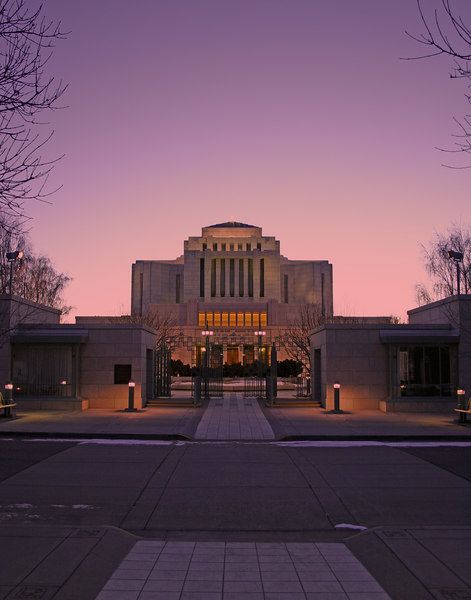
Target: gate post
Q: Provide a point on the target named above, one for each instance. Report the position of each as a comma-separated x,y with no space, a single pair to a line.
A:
197,391
274,370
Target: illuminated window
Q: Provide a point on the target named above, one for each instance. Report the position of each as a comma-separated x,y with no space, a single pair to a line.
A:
232,319
248,319
217,319
263,319
240,319
225,319
201,319
209,318
256,319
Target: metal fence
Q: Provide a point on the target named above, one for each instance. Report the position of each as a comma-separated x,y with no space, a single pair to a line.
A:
303,387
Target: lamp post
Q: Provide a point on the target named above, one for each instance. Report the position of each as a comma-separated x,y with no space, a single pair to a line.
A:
12,257
130,408
457,257
260,335
207,333
337,399
462,403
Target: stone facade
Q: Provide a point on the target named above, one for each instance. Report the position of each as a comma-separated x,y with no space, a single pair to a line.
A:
234,280
413,367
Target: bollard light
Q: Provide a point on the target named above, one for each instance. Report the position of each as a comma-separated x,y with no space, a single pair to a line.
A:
8,394
336,399
131,386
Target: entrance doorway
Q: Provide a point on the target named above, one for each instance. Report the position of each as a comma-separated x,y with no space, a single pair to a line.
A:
233,355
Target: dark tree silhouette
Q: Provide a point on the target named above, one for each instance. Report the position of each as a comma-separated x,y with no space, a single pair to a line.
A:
34,276
27,93
442,270
446,33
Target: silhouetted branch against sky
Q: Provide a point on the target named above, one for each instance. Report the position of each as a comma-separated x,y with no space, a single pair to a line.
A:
445,32
27,94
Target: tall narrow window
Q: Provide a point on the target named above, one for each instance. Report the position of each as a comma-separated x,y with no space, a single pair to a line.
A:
205,246
285,285
322,294
177,288
259,246
262,277
201,277
241,277
222,278
231,247
217,319
249,247
232,319
231,277
223,247
263,319
201,319
239,246
250,272
240,319
224,319
215,247
141,291
213,277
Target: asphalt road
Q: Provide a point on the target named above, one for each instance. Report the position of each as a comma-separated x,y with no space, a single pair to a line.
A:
230,487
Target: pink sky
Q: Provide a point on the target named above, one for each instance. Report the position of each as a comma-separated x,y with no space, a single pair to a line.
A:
295,115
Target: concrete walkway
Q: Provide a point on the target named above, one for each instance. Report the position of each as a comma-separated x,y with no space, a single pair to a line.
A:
234,418
159,570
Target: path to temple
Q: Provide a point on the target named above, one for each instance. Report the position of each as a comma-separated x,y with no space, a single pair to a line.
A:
234,418
159,570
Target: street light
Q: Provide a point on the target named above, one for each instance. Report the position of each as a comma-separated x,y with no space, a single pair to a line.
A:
12,257
260,335
207,333
457,257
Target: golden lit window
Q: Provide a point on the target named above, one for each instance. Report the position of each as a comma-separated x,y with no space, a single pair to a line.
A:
240,319
209,319
248,319
232,319
217,319
201,319
256,319
263,319
225,319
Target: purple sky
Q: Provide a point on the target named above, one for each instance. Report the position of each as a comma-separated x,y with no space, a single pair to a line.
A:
295,115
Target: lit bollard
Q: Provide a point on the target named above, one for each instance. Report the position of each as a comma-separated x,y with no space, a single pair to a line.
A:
8,393
8,399
462,404
337,409
130,408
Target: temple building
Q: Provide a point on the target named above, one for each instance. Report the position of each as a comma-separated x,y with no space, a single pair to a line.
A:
234,281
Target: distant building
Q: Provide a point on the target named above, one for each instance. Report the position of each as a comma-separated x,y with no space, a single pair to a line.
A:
234,281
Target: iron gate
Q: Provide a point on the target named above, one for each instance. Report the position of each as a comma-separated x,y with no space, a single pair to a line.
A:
162,372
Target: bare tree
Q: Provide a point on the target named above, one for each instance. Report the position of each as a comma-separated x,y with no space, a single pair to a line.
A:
446,33
163,323
27,40
34,276
441,269
296,340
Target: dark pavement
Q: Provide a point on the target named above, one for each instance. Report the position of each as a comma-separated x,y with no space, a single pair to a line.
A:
81,505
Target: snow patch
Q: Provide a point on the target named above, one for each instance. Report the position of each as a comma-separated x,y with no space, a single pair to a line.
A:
350,526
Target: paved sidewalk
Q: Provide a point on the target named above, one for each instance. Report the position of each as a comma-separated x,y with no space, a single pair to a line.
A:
159,570
234,418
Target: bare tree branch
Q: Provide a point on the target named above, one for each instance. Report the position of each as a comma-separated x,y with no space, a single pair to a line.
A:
27,41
